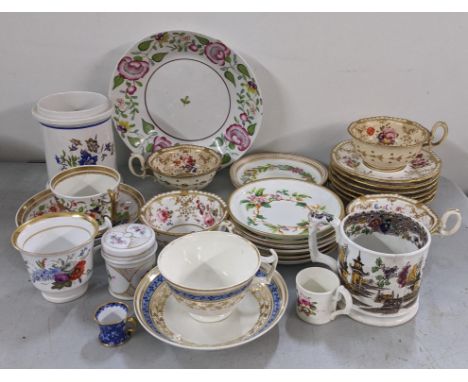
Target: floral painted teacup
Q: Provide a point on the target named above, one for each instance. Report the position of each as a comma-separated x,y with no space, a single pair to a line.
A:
389,144
58,252
318,294
180,167
115,326
210,272
93,190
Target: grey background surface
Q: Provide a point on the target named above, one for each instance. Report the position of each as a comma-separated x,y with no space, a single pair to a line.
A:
36,333
318,72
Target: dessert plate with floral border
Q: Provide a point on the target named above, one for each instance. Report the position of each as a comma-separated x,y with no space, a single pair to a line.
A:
279,208
426,165
167,320
410,207
180,87
277,165
128,207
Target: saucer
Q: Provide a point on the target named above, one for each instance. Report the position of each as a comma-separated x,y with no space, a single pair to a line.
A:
167,320
277,165
426,166
128,208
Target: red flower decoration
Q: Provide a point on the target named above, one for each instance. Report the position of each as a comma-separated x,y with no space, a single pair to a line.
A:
131,69
217,52
370,131
78,270
161,143
239,136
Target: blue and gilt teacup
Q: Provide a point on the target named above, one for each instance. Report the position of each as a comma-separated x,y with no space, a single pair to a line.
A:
210,272
115,326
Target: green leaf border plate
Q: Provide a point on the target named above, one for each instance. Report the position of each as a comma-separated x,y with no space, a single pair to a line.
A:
133,71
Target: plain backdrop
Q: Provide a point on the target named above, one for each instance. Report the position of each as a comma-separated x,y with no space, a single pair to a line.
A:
317,72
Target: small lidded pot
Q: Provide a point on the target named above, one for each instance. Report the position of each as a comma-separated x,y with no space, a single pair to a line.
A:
129,251
389,144
180,167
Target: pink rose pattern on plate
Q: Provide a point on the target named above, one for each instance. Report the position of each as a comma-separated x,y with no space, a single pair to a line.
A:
134,69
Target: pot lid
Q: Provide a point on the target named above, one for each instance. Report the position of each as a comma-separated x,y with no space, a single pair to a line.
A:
128,240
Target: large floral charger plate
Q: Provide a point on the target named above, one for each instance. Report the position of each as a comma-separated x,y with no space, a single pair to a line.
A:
426,165
277,165
182,87
279,208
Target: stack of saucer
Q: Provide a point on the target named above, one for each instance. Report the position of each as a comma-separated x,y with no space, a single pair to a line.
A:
273,214
350,177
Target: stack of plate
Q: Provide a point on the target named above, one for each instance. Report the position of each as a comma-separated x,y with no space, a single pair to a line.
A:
273,214
350,178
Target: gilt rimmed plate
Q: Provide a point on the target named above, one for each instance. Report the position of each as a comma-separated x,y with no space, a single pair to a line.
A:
182,87
426,165
167,320
279,208
277,165
128,207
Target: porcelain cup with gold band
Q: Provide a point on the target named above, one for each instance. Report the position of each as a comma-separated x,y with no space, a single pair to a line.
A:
57,250
381,258
341,175
389,144
93,190
210,272
176,213
179,167
448,224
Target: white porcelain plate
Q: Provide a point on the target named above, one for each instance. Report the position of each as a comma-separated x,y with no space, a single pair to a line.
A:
182,87
276,165
166,319
279,208
128,207
426,165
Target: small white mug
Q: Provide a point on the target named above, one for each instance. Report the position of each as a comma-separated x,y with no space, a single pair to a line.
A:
318,294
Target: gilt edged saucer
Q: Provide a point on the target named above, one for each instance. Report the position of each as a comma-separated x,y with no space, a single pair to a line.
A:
167,320
128,207
277,165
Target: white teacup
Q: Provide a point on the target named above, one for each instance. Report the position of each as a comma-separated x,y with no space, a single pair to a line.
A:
318,293
210,272
92,190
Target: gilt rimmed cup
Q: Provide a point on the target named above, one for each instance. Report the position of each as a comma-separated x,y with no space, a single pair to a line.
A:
57,249
93,190
180,167
389,144
210,272
116,327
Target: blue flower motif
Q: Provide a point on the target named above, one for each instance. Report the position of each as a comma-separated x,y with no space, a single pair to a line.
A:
87,158
57,159
108,147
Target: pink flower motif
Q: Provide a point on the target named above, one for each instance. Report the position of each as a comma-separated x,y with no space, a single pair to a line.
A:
238,135
161,143
244,117
120,102
303,301
217,52
387,136
193,47
131,89
419,161
208,219
163,214
131,69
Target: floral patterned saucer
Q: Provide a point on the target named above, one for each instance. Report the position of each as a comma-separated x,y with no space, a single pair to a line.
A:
181,87
278,208
167,320
425,166
276,165
128,208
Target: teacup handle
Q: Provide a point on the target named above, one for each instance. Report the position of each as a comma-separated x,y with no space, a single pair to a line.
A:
273,261
438,125
315,255
106,225
141,159
131,325
348,300
226,225
444,230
